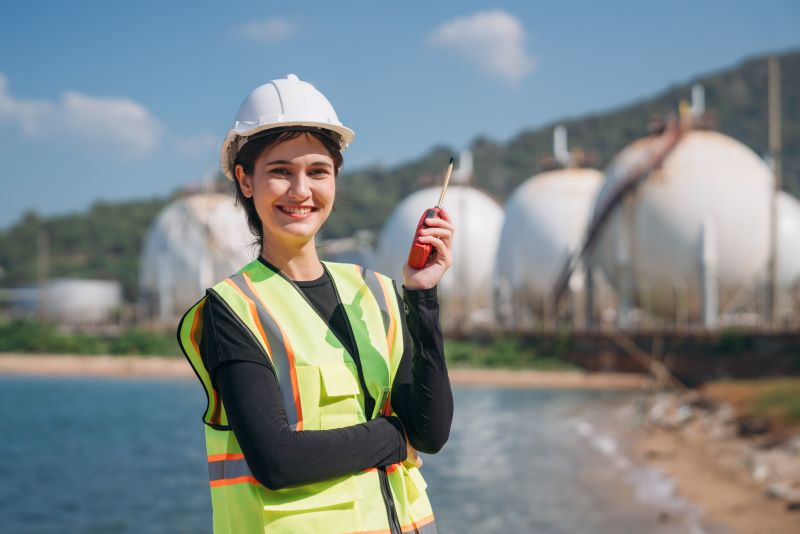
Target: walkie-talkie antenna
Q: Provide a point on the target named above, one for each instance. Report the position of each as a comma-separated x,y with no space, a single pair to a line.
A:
447,174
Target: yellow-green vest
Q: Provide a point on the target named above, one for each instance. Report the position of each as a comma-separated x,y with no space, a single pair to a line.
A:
320,387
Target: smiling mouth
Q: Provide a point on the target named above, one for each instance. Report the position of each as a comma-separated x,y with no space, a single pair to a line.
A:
297,210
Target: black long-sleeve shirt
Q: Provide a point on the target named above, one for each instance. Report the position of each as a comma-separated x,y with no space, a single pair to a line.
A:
279,456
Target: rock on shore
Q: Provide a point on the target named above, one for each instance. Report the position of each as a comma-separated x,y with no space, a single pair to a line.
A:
742,471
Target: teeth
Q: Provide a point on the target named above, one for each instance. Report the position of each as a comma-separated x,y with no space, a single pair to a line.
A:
297,210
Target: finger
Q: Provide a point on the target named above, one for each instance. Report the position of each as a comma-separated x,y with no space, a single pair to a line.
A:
442,233
444,215
442,250
439,223
445,237
442,224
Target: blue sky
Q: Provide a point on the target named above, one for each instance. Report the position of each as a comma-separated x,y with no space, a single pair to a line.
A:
117,100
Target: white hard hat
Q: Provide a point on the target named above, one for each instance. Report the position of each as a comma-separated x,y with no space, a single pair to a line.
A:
283,103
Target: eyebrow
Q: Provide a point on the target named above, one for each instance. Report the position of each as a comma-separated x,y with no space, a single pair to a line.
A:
285,162
321,163
278,162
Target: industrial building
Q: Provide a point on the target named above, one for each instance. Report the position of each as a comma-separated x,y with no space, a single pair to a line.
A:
192,244
76,303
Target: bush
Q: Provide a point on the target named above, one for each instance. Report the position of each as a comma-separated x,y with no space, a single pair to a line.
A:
25,335
505,352
782,401
148,343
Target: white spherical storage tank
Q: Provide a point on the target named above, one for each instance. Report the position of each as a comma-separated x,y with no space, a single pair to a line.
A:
192,244
788,241
545,221
701,215
81,302
465,291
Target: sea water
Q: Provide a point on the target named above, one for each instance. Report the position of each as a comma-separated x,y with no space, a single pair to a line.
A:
128,455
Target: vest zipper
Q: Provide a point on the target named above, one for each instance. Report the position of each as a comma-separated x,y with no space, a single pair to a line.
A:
383,477
391,511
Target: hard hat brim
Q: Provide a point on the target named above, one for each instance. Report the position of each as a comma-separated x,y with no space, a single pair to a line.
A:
235,140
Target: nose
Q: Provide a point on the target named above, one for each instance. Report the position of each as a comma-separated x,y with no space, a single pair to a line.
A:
299,188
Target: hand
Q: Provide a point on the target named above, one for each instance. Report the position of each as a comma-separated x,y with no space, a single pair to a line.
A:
438,232
412,458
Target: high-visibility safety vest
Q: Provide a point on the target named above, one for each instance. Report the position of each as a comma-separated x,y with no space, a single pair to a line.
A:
321,390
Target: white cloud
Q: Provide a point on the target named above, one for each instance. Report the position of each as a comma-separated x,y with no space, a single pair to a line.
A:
493,40
120,123
28,114
270,30
197,145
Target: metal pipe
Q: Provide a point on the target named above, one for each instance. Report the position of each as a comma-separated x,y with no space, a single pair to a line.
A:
774,133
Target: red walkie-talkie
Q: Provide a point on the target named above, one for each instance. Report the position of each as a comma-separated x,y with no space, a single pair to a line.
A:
420,252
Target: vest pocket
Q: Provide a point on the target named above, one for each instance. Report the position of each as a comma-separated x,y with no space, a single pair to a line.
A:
417,481
340,392
414,483
314,508
339,379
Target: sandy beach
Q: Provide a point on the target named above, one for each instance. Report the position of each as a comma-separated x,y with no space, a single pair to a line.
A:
733,479
172,367
727,497
77,366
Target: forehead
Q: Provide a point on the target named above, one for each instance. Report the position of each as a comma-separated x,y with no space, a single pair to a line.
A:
304,148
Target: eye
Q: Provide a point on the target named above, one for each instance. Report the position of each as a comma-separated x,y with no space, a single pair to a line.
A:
319,172
280,171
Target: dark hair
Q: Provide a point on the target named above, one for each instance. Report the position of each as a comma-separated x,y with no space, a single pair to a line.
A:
253,149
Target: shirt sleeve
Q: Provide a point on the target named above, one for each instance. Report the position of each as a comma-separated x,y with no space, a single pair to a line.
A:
226,339
277,455
421,393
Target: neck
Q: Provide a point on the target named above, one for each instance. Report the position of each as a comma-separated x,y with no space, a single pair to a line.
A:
298,261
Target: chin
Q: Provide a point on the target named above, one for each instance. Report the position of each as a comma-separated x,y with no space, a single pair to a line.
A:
301,230
297,231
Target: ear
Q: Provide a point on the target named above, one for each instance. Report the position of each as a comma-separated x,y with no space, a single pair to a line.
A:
245,181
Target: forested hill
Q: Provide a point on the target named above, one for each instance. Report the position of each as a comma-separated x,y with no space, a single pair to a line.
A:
105,241
102,243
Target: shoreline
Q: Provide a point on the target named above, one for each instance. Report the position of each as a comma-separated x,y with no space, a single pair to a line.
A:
70,365
724,496
715,469
73,365
710,470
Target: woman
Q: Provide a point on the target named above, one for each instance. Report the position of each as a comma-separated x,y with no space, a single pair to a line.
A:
320,389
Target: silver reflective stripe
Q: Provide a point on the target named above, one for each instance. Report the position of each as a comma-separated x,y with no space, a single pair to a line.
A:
371,278
222,469
429,528
280,359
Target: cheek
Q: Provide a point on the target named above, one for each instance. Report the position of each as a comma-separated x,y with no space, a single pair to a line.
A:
266,190
330,194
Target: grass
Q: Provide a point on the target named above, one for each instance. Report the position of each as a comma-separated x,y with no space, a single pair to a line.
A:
36,337
776,398
505,353
29,336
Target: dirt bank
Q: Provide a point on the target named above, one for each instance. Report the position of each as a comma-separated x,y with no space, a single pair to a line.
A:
747,483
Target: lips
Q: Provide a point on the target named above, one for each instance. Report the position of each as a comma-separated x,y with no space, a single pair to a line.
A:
297,211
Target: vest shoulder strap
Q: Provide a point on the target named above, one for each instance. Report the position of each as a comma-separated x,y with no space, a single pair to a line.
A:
190,333
382,289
